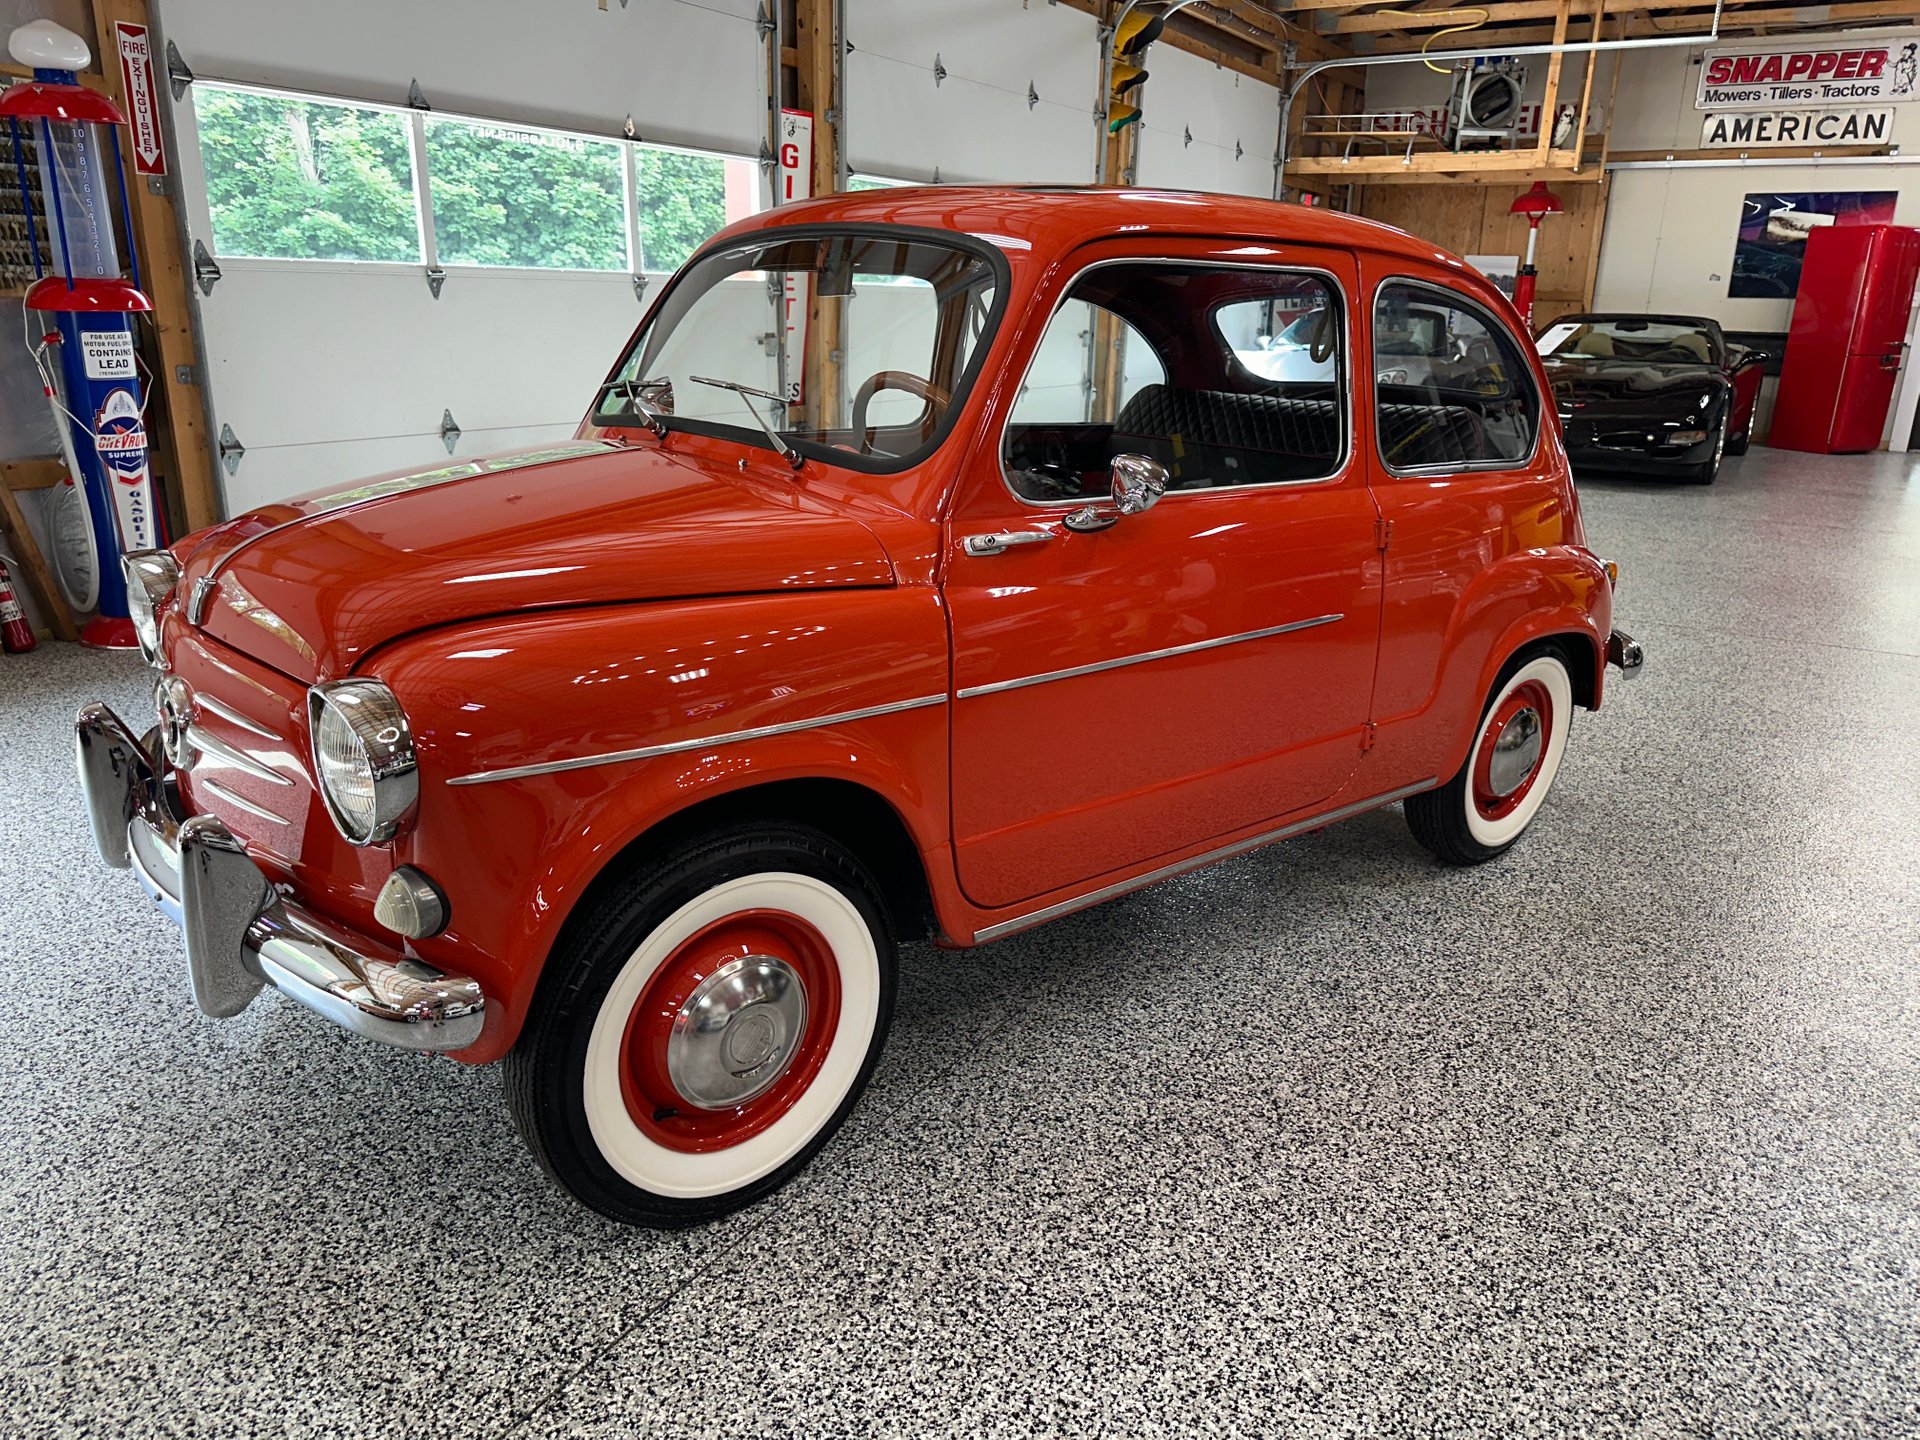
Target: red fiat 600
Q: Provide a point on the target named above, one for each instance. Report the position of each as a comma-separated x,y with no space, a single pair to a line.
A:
629,760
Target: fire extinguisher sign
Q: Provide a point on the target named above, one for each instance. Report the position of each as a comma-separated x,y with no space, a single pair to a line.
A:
143,105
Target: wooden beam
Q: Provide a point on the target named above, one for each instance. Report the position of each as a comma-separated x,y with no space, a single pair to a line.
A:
1312,46
1553,175
1586,87
1734,24
814,40
1757,152
163,273
1446,165
1550,102
32,474
1498,12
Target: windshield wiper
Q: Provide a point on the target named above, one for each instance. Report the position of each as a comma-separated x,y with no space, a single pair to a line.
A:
631,391
793,456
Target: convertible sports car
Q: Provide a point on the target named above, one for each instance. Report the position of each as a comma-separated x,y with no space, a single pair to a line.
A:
1666,394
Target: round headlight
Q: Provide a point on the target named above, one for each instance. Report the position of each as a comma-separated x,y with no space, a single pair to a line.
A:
150,576
363,758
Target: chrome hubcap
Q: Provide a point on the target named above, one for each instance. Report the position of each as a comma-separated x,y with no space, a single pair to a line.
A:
738,1029
1516,750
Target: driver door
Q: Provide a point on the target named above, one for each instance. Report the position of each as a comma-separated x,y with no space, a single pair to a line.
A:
1192,670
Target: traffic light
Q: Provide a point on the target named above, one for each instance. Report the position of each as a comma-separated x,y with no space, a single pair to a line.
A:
1130,42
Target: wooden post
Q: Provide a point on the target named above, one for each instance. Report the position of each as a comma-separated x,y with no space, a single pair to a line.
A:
163,273
1550,103
814,44
1586,86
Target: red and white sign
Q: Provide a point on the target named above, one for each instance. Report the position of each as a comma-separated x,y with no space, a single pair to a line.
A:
143,106
1811,75
794,177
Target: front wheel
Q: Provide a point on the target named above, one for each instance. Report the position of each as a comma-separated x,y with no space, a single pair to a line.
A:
1707,473
1516,753
704,1029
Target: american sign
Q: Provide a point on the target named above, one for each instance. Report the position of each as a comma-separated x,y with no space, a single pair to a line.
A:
1780,77
1757,129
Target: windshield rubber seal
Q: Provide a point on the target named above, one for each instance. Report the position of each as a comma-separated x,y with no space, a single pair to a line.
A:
813,449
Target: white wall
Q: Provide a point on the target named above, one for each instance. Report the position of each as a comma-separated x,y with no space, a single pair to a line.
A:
977,125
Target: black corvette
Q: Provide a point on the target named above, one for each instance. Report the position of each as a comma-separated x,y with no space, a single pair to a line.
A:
1651,394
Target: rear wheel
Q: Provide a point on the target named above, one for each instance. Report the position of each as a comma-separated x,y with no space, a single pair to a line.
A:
1516,753
704,1030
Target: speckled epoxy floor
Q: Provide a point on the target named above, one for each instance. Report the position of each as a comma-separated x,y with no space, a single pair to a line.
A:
1618,1136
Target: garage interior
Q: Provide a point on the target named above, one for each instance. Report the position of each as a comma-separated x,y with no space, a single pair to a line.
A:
1614,1137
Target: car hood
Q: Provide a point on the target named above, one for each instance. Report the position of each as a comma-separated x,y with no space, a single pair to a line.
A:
311,585
1599,386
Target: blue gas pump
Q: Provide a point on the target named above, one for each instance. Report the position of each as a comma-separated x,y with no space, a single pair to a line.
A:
82,308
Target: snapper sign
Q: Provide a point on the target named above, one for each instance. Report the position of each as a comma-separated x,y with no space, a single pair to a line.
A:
1811,76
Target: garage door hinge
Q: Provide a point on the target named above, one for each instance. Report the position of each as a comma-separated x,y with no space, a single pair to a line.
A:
1367,732
436,277
1382,532
449,430
230,449
205,273
178,75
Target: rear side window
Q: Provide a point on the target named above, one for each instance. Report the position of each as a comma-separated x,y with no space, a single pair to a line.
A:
1451,388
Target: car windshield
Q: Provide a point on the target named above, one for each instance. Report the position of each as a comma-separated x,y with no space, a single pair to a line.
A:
860,345
1626,337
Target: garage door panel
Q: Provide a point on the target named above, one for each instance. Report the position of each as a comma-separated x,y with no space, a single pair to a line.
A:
270,473
307,355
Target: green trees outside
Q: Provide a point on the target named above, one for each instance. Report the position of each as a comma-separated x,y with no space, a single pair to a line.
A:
683,200
519,197
307,180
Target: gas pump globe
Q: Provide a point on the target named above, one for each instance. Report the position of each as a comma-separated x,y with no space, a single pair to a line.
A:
81,307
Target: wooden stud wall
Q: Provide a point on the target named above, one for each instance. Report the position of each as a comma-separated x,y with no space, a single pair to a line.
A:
1473,220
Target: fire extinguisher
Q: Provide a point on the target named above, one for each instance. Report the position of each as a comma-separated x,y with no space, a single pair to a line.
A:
15,634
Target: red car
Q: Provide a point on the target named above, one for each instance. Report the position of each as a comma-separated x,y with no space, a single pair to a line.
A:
930,565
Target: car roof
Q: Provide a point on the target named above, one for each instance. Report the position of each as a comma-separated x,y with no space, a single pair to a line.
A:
1057,218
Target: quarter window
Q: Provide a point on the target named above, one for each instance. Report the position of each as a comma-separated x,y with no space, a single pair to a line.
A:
1450,387
1190,365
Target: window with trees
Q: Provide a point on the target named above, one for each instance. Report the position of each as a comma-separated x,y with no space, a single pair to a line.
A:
292,177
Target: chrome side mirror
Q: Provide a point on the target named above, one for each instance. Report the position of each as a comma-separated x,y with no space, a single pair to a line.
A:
1138,484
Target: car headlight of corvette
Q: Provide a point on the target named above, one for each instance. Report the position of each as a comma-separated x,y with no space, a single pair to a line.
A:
150,576
1685,437
363,758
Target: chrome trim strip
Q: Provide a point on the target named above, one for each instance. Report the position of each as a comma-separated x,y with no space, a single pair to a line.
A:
234,717
1197,862
198,739
675,747
1198,645
239,802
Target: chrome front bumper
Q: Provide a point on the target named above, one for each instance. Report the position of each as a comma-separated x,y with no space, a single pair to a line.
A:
241,933
1626,652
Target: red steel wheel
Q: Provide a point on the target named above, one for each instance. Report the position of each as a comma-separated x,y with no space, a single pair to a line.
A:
1507,760
730,1031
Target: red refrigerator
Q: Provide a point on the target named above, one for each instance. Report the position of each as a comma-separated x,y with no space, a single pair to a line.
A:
1849,331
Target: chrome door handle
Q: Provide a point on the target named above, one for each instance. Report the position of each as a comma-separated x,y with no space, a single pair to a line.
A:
1001,540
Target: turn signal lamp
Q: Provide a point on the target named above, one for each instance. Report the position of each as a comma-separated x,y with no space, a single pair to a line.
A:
410,904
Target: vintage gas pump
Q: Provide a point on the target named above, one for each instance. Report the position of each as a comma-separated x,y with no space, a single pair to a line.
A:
82,308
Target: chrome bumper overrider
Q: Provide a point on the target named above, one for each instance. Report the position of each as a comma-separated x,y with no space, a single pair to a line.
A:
1625,651
240,932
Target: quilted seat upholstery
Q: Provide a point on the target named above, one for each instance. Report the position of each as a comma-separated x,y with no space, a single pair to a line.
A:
1217,418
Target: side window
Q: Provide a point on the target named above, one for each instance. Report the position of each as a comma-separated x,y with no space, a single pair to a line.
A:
1225,375
1450,386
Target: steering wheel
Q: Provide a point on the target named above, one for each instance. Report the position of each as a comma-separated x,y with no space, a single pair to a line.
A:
893,380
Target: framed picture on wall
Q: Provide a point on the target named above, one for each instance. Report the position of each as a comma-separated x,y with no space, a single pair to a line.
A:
1502,270
1773,235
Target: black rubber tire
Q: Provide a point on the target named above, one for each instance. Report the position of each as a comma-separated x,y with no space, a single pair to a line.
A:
544,1071
1706,474
1438,818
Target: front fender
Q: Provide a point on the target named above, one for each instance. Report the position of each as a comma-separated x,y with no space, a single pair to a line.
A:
515,851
